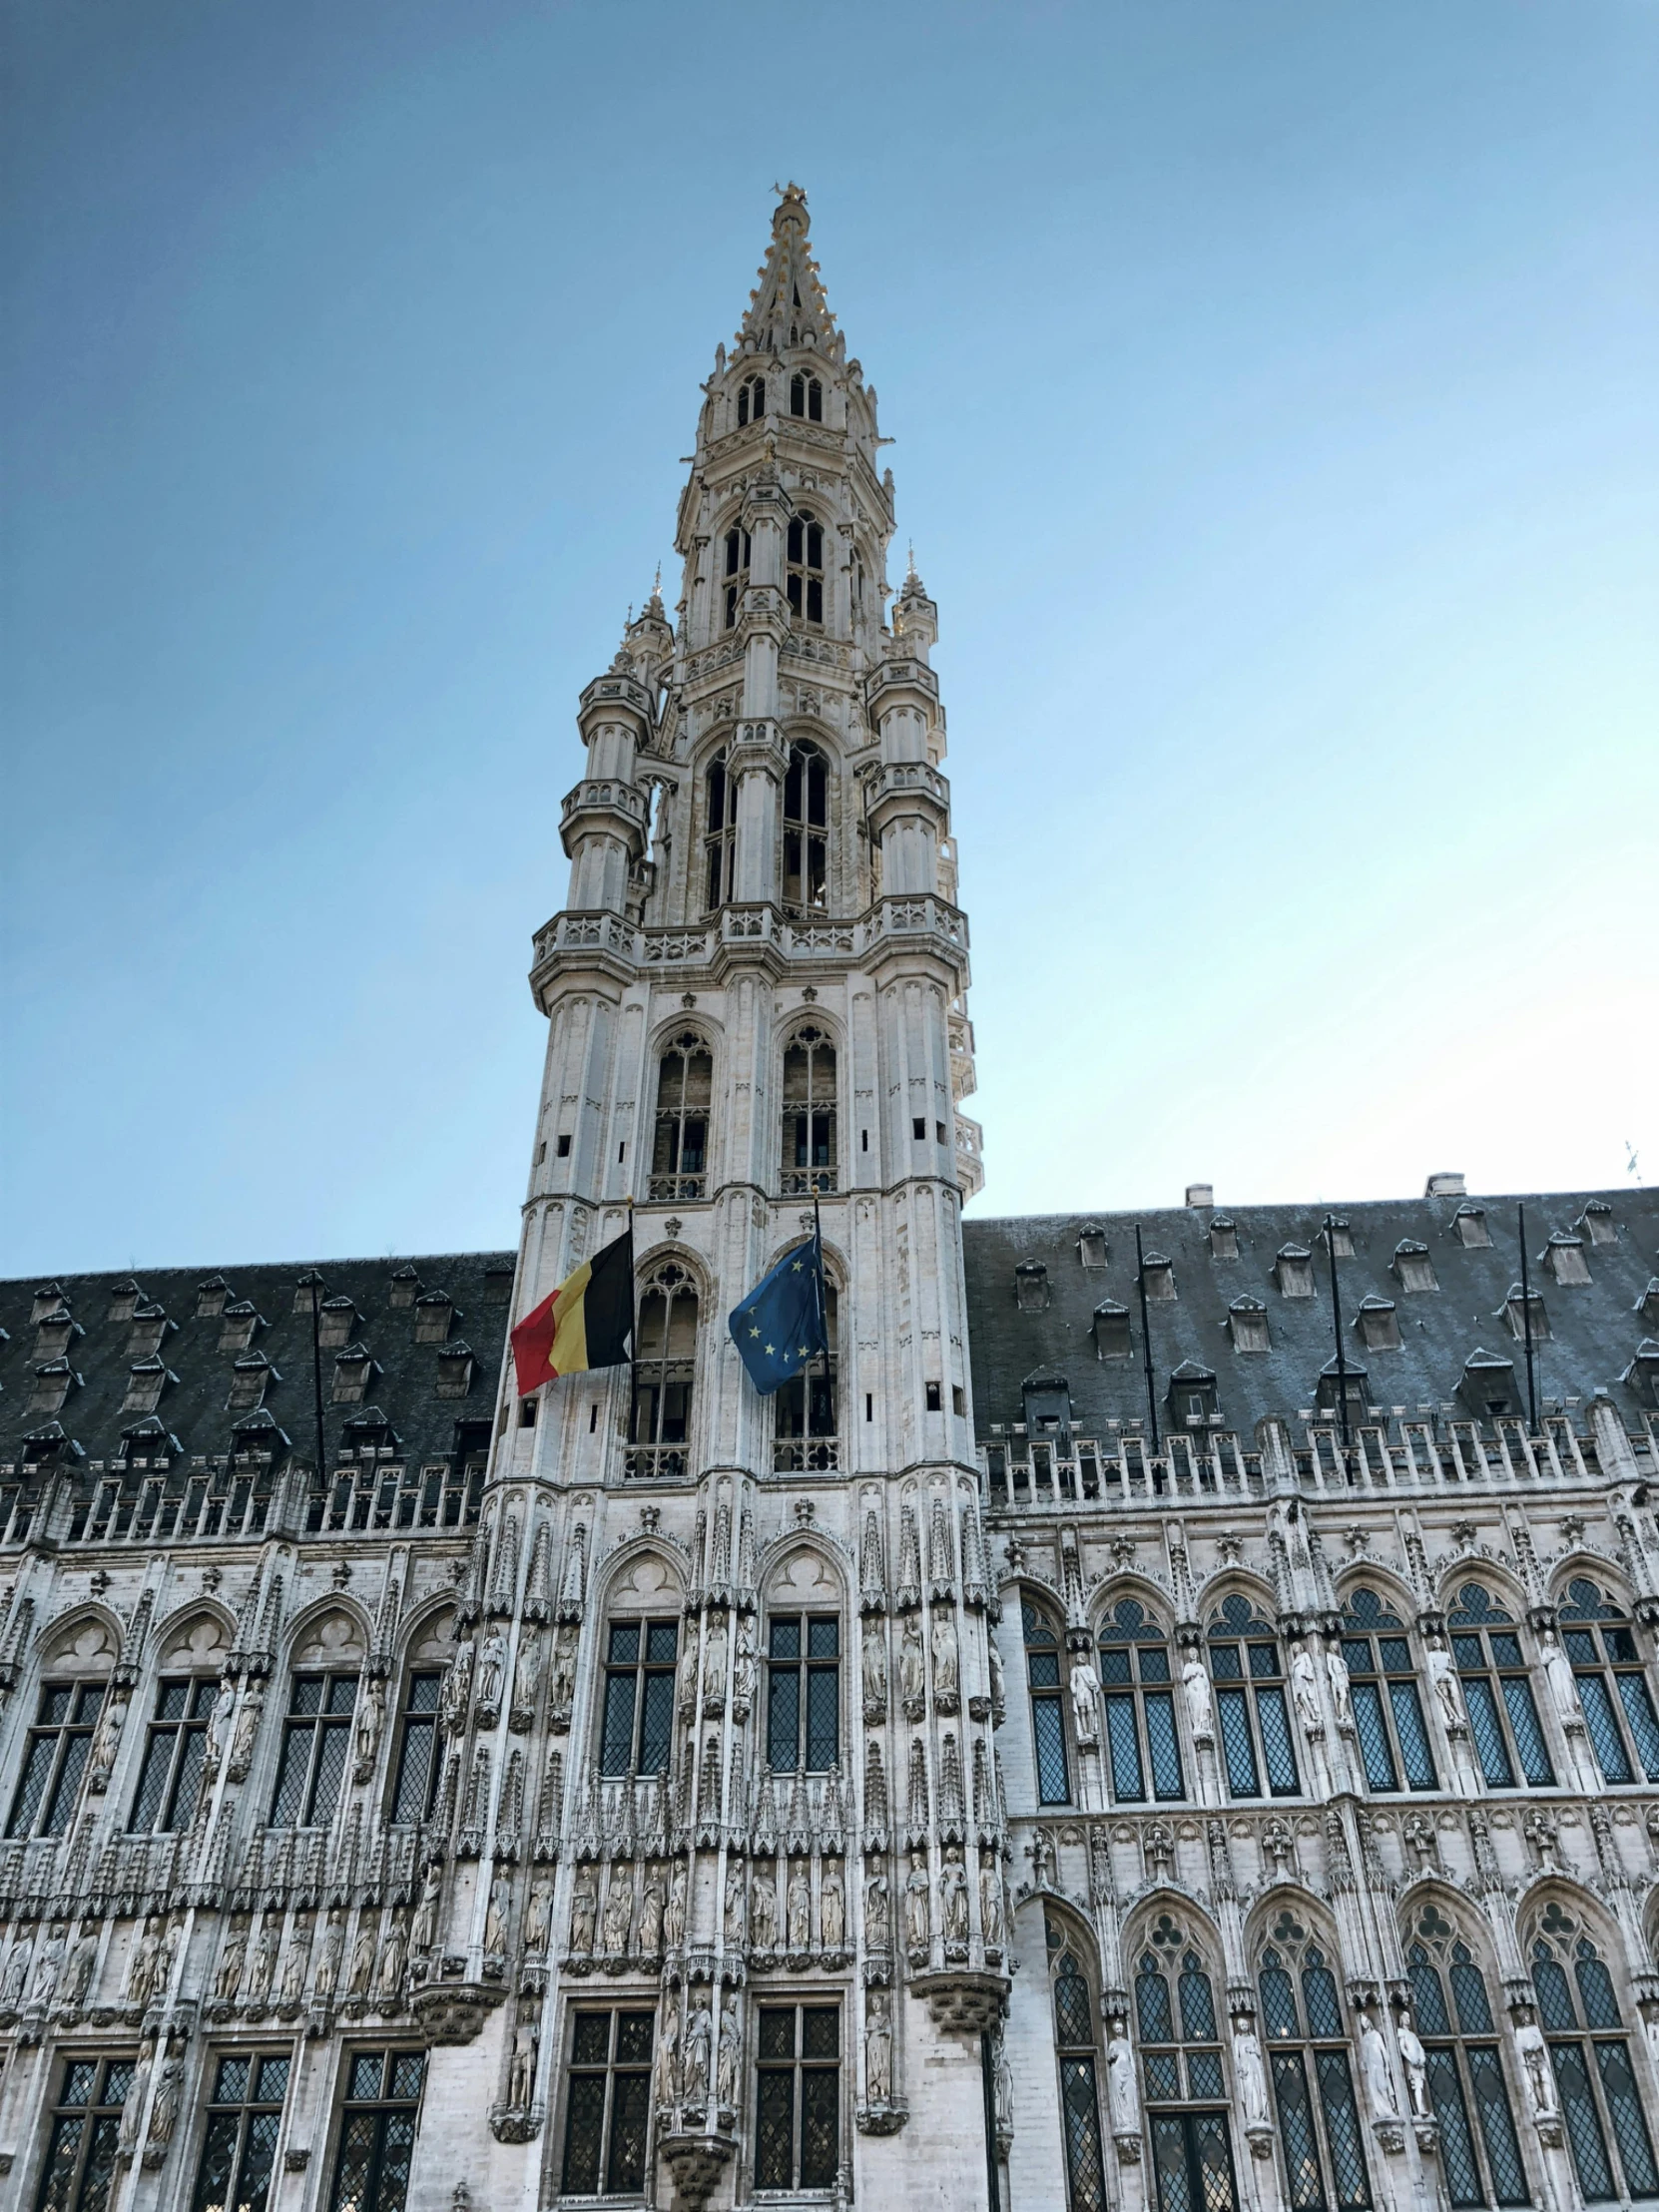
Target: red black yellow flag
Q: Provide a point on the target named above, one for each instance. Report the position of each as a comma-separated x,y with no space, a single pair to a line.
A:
587,1323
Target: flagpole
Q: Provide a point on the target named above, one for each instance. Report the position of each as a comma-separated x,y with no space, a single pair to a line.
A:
317,1376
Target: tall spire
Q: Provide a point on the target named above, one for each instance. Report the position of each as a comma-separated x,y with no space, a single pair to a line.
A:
788,306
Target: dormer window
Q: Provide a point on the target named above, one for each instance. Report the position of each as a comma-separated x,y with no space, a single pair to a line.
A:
55,1333
751,401
250,1377
1488,1385
53,1379
1224,1238
237,1325
805,828
735,572
337,1322
1192,1394
124,1301
498,1283
1564,1257
1111,1329
355,1372
1247,1324
370,1431
1158,1274
1377,1323
212,1297
1339,1238
1292,1271
1047,1401
1331,1388
150,1331
48,1299
1412,1267
1648,1303
1596,1221
803,577
455,1365
1642,1374
805,397
720,837
146,1381
404,1287
1516,1315
1091,1246
1031,1287
307,1289
1469,1224
433,1314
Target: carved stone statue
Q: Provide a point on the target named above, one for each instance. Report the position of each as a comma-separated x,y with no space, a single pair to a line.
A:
688,1669
538,1918
262,1965
164,2108
912,1669
172,1936
954,1898
389,1982
878,2050
1380,2093
1201,1711
831,1904
563,1677
492,1671
668,2056
763,1910
372,1718
800,1907
1443,1683
521,2074
246,1729
1416,2061
325,1979
726,2093
457,1685
946,1659
137,2090
1085,1688
48,1966
734,1903
991,1899
743,1662
82,1956
999,1694
1534,2058
618,1923
227,1980
919,1910
219,1723
652,1903
496,1915
713,1660
583,1911
17,1971
1122,2101
1336,1674
527,1673
1249,2075
144,1967
875,1662
295,1966
1305,1690
1559,1674
674,1917
361,1978
425,1931
105,1742
698,2036
877,1931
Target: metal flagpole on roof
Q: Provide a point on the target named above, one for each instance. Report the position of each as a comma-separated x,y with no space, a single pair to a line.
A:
1336,1325
1526,1326
317,1376
1146,1338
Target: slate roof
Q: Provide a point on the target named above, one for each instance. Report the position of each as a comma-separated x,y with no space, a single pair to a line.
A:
1595,1327
193,1416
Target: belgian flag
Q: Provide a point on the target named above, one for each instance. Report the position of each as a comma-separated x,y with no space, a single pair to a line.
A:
587,1323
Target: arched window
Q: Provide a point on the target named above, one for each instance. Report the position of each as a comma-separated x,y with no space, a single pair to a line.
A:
1140,1706
1482,2164
1497,1692
804,1427
1607,1668
752,399
1250,1702
316,1742
1075,2048
636,1729
659,1426
1313,2082
1383,1685
175,1752
803,570
1186,2091
720,836
415,1790
735,571
805,397
804,1692
1048,1726
55,1757
805,828
684,1090
809,1113
1593,2075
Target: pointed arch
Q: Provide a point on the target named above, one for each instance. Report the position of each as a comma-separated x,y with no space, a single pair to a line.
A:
1246,1668
1486,1631
1456,2009
1135,1657
1297,1961
1600,1642
1174,1961
684,1059
174,1633
804,1588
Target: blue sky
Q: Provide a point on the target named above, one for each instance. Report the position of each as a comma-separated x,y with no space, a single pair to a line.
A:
1273,389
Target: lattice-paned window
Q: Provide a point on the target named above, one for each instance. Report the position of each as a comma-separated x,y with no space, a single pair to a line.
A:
685,1093
1594,2079
175,1752
1048,1725
608,2103
664,1367
735,571
1250,1708
804,1408
804,1693
1480,2154
1141,1739
807,829
1319,2131
1076,2051
637,1721
1497,1692
808,1151
378,2131
806,397
245,2118
751,401
1181,2070
316,1737
416,1787
1612,1685
798,2097
1382,1687
720,813
83,2153
55,1757
803,567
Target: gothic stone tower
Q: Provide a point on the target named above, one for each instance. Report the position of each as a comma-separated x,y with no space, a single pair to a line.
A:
783,1796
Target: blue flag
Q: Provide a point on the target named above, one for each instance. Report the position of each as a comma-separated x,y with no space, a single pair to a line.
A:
781,1326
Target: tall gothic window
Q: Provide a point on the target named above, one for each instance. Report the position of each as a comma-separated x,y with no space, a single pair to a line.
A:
1452,2014
1250,1702
803,1433
1313,2083
659,1427
175,1752
419,1765
378,2131
752,399
798,2098
1497,1692
809,1113
245,2119
1074,2045
608,2112
1048,1726
1593,2073
1607,1668
804,1692
83,2155
1186,2091
720,836
735,571
55,1757
803,568
805,828
685,1091
637,1726
1383,1685
316,1737
1140,1706
805,397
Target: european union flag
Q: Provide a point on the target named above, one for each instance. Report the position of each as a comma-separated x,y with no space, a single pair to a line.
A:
781,1325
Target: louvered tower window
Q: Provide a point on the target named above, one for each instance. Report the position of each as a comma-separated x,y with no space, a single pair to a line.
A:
1313,2082
720,836
1452,2014
803,567
735,571
806,830
1497,1692
658,1428
1249,1703
806,397
1382,1686
751,401
685,1091
1141,1737
808,1163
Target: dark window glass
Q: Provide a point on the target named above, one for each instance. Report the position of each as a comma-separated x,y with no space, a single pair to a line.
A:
798,2098
1141,1736
245,2118
82,2149
417,1763
1388,1710
1313,2084
804,1686
174,1752
1255,1722
1048,1728
1481,2161
663,1374
55,1757
316,1737
1497,1692
636,1722
378,2131
1607,1668
607,2102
